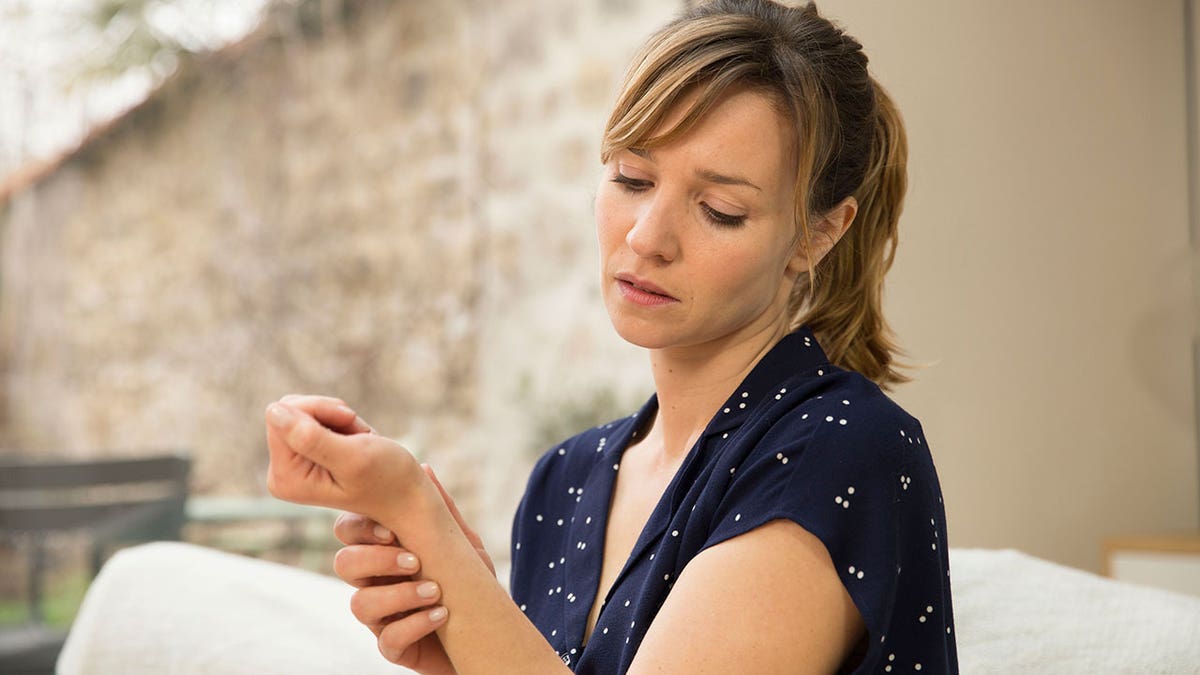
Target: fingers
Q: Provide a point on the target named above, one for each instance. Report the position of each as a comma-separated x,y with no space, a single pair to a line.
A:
454,508
303,435
397,636
331,412
449,500
284,462
375,606
362,565
471,535
362,473
351,528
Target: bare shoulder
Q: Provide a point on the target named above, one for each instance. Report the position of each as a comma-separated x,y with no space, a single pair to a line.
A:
767,601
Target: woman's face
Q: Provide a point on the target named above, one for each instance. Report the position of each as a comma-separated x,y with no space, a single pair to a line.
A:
697,236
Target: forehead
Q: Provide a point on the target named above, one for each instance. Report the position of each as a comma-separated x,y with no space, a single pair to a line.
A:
743,132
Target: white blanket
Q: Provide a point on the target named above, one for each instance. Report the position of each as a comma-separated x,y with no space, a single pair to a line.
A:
1019,614
183,609
177,608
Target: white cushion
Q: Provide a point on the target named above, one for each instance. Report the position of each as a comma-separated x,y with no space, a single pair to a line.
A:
183,609
1018,614
178,608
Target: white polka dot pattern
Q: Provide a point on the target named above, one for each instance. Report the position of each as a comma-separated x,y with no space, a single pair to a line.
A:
800,439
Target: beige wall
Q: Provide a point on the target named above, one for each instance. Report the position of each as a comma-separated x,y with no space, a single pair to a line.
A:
1044,267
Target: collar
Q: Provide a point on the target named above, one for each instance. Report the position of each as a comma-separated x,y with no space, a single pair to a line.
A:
796,353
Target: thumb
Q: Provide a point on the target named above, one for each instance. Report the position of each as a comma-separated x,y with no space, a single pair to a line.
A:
301,434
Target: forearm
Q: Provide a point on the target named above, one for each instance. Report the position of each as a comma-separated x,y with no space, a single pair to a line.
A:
486,633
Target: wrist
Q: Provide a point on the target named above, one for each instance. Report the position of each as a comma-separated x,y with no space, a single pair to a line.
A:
415,511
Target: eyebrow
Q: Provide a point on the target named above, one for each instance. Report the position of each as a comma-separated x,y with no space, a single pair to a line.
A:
704,174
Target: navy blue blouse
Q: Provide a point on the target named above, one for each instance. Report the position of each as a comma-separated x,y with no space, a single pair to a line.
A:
800,439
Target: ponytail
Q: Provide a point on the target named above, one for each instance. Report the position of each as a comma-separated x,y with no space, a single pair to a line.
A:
842,301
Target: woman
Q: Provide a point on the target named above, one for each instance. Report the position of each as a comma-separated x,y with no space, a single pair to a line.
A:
769,510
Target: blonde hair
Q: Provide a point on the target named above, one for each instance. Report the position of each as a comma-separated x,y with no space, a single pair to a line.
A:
849,138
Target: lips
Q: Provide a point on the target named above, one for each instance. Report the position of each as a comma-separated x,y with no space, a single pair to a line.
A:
643,290
644,285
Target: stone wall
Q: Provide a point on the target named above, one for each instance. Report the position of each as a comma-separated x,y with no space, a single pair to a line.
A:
393,206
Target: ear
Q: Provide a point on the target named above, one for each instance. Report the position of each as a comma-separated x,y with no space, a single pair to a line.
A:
827,231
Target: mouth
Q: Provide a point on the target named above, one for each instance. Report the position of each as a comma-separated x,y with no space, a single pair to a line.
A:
642,291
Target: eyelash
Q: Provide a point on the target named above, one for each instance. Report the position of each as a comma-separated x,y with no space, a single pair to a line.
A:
714,216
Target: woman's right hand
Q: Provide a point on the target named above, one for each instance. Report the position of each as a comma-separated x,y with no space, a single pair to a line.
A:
400,610
388,600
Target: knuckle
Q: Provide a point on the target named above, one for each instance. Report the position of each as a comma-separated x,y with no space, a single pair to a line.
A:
405,598
276,487
302,436
406,594
356,605
396,638
360,604
342,564
272,484
390,653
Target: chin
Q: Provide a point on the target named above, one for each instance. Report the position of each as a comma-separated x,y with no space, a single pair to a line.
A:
641,333
643,340
648,334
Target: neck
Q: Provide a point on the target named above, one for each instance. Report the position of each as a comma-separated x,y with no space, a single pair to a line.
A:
694,381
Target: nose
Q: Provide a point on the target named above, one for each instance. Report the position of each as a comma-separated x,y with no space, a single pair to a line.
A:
653,234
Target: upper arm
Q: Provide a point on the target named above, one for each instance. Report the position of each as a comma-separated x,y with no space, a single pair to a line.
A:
767,601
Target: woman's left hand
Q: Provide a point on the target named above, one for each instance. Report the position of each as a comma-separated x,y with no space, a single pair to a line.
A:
313,464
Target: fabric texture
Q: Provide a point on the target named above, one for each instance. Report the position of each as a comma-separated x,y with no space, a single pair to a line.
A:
800,439
177,608
1019,614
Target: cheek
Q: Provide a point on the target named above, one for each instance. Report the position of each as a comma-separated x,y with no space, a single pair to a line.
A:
754,275
609,229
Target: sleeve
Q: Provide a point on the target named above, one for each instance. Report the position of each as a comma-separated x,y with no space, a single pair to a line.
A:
850,479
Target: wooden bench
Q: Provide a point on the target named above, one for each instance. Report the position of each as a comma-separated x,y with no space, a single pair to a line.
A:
113,501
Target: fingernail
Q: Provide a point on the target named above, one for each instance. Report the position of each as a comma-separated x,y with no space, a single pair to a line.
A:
382,533
428,589
437,614
278,415
346,410
407,561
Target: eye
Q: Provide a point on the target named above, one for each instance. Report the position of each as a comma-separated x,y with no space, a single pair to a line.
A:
631,184
722,219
